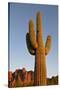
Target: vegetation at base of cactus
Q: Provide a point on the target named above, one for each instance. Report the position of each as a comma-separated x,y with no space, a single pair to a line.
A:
36,47
19,84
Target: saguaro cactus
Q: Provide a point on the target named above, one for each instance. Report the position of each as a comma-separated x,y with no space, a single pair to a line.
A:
36,47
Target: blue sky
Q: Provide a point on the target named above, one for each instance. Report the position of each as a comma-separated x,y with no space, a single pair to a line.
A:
20,14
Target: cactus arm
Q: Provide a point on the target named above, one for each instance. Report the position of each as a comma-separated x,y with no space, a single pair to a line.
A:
30,49
48,45
32,34
39,22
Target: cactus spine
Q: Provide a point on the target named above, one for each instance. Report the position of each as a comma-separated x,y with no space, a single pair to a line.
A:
36,47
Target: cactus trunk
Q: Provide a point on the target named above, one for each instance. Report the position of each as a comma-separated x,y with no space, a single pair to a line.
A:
40,69
40,62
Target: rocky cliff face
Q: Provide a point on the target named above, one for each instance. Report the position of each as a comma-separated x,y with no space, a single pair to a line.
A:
21,78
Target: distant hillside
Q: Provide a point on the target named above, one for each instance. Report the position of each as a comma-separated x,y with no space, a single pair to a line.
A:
21,78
